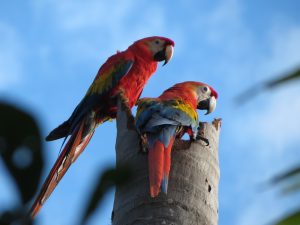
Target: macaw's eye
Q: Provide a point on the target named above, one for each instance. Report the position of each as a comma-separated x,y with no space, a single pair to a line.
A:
157,42
205,89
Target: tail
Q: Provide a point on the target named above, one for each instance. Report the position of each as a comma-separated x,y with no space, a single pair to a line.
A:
61,131
76,144
159,160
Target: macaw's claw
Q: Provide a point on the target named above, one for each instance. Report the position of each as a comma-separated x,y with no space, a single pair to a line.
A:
199,137
143,144
127,110
131,122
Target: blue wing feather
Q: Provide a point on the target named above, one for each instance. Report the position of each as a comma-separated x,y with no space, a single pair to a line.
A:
89,101
163,134
93,99
153,113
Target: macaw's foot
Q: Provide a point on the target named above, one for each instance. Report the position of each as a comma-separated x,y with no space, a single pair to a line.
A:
130,118
131,122
143,144
199,137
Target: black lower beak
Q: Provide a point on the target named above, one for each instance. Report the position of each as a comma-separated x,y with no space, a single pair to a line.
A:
160,56
203,105
165,54
207,104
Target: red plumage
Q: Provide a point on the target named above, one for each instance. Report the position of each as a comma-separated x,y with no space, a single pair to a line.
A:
159,161
156,167
160,120
123,76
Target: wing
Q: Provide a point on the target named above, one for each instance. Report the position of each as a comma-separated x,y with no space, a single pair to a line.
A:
153,113
105,81
108,77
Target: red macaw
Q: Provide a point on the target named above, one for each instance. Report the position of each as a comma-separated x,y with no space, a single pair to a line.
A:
123,76
160,120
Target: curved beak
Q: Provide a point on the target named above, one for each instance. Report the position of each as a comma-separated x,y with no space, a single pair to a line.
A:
168,53
208,104
165,54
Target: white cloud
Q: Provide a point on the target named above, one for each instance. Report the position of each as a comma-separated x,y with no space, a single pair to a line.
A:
279,123
90,26
270,124
11,53
285,48
224,21
81,15
276,118
262,209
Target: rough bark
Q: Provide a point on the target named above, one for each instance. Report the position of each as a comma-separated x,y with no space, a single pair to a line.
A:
193,183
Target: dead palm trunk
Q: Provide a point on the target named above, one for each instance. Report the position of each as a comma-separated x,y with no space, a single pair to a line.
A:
193,184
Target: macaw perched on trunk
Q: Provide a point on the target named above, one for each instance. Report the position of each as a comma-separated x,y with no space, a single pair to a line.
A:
160,120
123,76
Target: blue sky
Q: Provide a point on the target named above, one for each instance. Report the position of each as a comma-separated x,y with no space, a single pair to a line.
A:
51,50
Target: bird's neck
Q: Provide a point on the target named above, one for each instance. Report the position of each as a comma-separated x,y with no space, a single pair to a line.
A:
142,53
186,95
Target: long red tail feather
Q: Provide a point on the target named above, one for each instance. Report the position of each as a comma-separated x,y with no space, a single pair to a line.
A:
70,153
156,165
167,165
159,160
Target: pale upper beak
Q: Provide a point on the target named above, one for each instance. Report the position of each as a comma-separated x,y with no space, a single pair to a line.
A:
208,104
168,54
165,54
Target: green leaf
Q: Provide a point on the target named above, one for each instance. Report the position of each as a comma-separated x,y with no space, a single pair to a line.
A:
291,187
16,217
286,175
253,91
20,149
109,178
283,79
292,219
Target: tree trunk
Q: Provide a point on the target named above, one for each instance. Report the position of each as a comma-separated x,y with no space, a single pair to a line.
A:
193,183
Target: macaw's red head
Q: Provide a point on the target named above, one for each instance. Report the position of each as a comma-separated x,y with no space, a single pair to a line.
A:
154,48
204,96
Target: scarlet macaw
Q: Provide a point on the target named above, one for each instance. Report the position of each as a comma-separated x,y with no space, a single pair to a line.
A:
160,120
123,76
